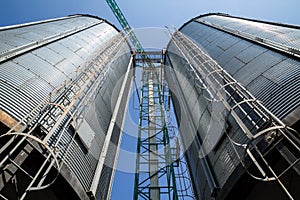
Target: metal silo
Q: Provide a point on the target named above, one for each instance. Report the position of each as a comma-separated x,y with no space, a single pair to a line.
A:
64,86
235,86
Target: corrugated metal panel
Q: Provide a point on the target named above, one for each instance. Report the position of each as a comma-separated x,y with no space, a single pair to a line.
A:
247,61
257,66
31,36
250,53
23,35
66,67
228,42
71,44
23,104
4,46
42,69
284,72
82,53
106,113
236,49
233,65
83,43
66,52
48,55
30,89
21,88
261,87
283,35
76,160
93,121
15,74
287,102
13,41
86,133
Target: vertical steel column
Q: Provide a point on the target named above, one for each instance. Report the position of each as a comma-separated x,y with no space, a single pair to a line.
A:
153,160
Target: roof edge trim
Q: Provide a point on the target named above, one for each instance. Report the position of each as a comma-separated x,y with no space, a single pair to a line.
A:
35,23
248,19
97,17
55,19
106,21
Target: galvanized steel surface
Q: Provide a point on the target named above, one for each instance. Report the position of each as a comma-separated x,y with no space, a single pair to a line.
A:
282,34
52,65
269,74
252,64
206,120
45,71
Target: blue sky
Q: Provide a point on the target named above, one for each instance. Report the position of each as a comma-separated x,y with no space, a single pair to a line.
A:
146,13
150,13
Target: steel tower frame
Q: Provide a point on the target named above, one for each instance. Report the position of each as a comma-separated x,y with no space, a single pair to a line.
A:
128,30
155,176
154,164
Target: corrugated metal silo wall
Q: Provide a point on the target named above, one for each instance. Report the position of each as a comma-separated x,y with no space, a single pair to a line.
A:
30,77
271,76
26,79
268,74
